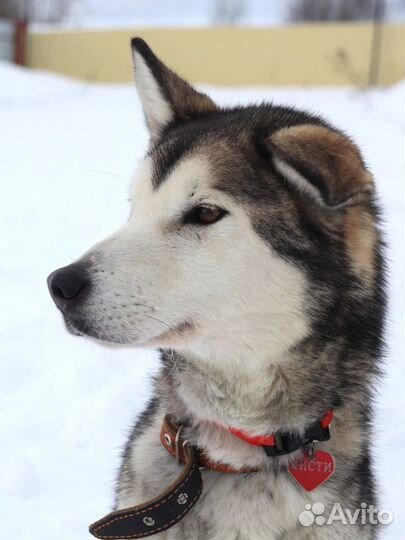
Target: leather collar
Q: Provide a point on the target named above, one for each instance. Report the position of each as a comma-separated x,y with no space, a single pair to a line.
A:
168,508
158,514
171,439
276,444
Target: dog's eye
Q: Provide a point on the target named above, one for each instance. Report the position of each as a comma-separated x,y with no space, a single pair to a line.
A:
204,214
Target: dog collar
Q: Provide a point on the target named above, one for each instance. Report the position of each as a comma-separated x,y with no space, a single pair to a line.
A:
280,443
164,511
276,444
158,514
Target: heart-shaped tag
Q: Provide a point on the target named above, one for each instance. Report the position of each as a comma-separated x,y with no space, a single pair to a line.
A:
311,472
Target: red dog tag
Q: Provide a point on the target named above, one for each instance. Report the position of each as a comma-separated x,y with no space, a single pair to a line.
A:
311,472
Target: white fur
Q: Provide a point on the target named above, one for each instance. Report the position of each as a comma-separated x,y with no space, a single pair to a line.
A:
224,279
296,178
304,186
157,110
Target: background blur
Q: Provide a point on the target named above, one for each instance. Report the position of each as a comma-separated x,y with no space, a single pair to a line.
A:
71,134
306,42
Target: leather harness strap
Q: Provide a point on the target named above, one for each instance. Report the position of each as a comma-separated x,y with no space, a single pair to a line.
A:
157,514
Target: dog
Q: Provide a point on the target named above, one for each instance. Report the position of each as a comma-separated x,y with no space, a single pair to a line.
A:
253,259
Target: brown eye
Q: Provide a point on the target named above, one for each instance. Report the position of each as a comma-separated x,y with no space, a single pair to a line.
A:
205,214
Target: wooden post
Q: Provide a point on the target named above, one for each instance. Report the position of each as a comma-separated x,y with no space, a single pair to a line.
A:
20,41
375,56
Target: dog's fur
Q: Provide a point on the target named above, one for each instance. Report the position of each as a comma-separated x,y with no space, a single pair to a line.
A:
266,319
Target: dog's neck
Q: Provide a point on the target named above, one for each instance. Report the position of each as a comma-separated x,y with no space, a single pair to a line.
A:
287,394
260,394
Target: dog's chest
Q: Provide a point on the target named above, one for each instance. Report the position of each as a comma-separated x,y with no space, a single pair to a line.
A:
259,506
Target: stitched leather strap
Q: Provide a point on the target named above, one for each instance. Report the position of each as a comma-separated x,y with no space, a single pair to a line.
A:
176,501
170,437
157,514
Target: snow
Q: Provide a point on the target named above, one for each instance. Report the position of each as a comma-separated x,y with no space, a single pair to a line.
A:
68,150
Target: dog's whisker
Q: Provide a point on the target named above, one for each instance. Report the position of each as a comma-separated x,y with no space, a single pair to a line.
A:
143,305
173,360
109,173
176,332
159,320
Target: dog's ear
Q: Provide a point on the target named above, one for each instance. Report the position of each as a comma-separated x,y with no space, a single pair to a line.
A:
322,164
165,97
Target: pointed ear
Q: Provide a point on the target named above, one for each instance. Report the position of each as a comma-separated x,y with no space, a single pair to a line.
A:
322,165
165,97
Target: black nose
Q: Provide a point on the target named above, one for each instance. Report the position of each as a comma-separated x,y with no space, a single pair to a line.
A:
67,284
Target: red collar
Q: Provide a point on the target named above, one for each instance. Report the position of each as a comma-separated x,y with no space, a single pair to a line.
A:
270,440
276,444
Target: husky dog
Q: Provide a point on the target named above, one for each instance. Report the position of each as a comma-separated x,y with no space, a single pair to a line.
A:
252,259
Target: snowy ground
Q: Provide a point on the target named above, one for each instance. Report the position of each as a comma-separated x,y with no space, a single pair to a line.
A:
67,154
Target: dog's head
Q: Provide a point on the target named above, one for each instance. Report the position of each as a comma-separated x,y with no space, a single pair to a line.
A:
248,226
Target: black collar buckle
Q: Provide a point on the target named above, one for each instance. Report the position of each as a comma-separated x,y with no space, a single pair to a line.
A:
290,442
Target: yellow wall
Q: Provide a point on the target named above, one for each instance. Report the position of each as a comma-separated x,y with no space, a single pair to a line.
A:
319,54
393,54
